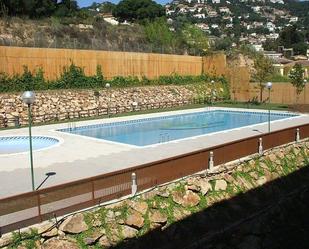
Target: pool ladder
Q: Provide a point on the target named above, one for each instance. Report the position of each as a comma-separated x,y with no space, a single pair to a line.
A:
164,137
71,126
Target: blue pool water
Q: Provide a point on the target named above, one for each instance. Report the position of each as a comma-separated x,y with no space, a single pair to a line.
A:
16,144
157,130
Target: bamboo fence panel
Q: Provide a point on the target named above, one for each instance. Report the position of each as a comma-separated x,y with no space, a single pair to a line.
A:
12,60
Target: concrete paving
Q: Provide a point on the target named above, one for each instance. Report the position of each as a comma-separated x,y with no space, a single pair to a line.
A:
77,157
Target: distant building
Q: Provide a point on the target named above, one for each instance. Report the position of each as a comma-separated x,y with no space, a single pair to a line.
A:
273,54
212,13
201,16
256,8
294,19
224,10
169,12
277,1
203,26
110,19
258,47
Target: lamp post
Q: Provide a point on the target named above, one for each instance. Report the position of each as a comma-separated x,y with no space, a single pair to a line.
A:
28,98
305,82
269,86
212,91
108,86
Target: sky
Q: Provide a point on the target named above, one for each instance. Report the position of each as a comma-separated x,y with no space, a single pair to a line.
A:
85,3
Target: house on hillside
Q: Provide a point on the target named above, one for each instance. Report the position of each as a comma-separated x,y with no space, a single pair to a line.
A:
293,19
212,13
200,15
110,19
203,26
225,10
256,9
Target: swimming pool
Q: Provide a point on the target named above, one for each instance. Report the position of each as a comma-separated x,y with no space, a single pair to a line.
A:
150,131
17,144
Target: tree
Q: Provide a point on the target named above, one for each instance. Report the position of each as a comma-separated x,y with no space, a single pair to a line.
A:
107,7
297,79
263,67
135,10
195,38
223,44
159,35
31,8
66,8
290,37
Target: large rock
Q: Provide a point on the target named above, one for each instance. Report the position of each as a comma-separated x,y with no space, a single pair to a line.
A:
74,224
135,219
6,239
55,243
48,230
139,206
262,180
189,199
93,238
220,185
157,217
205,187
104,241
128,232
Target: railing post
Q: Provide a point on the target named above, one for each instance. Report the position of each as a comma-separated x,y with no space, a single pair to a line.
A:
297,135
39,206
134,184
260,146
92,192
211,161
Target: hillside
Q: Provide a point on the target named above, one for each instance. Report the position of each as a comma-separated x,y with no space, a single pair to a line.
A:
190,27
244,21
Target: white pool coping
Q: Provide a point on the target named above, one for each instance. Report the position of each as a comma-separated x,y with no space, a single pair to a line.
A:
78,157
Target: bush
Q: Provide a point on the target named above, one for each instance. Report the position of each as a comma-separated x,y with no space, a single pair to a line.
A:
73,77
278,78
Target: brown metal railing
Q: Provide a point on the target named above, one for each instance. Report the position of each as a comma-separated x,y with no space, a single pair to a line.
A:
30,208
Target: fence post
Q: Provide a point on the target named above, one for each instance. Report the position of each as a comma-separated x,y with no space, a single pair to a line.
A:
297,135
211,160
39,206
92,192
134,184
260,146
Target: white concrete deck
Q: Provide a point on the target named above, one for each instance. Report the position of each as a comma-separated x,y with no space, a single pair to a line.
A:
77,157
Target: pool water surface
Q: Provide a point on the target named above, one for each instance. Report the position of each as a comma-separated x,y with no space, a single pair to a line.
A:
150,131
17,144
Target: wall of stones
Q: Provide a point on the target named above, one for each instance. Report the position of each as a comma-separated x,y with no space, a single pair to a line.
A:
258,203
65,104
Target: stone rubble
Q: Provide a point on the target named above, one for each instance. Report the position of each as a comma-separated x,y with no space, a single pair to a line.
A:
67,104
107,226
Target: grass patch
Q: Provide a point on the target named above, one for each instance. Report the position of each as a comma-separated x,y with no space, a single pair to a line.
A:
246,105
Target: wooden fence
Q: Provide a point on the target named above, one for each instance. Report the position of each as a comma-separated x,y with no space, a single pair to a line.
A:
33,207
12,60
281,93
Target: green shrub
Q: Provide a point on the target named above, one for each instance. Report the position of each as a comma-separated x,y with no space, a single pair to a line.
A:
74,77
278,78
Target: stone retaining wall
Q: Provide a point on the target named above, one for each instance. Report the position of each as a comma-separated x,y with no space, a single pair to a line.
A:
65,104
200,208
